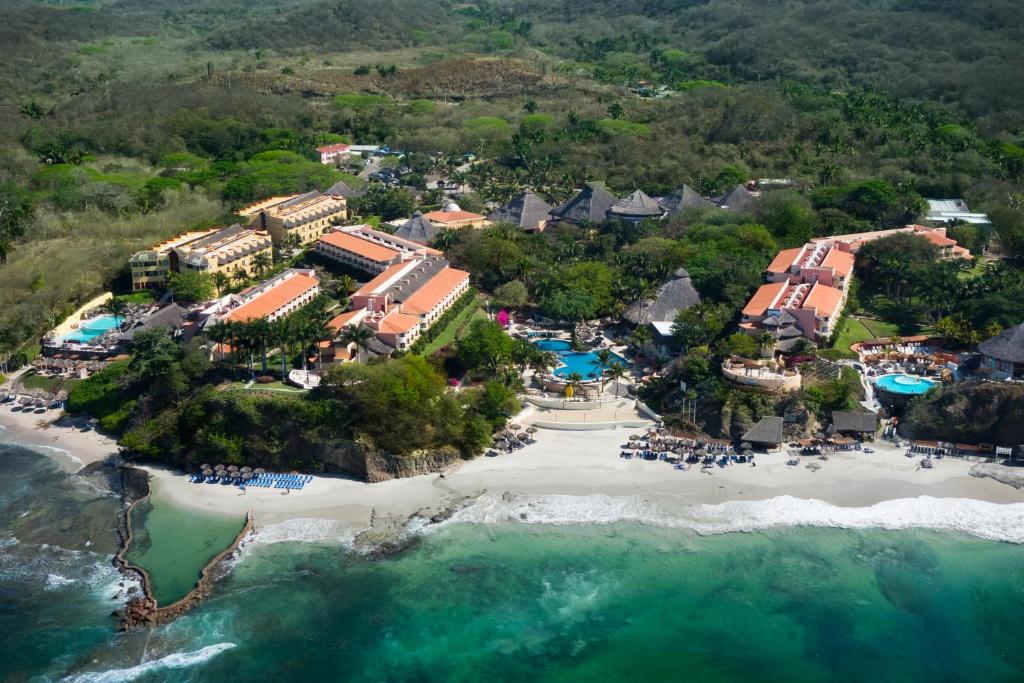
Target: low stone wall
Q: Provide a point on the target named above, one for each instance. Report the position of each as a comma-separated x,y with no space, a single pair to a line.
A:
771,382
563,404
646,410
145,611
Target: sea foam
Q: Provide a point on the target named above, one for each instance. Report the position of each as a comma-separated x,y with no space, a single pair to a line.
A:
985,520
178,660
308,530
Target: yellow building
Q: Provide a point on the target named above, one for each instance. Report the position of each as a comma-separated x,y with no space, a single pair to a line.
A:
150,267
306,215
232,249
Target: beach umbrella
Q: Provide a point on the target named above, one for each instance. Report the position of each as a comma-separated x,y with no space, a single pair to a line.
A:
514,426
207,472
232,468
204,466
634,437
531,430
246,476
219,467
745,446
259,470
246,470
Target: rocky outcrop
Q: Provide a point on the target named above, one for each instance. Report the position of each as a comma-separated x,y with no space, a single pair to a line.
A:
968,412
1012,476
370,464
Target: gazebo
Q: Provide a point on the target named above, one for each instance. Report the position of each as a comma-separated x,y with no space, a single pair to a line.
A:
1004,353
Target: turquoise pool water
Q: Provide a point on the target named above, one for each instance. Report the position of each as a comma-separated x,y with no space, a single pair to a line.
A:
92,328
583,362
904,384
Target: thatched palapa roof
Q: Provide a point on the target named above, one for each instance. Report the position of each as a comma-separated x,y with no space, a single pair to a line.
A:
636,206
589,205
767,431
854,421
1007,346
678,294
739,199
418,229
527,210
684,198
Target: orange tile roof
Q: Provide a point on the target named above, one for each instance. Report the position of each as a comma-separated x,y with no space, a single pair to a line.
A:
339,321
364,248
397,323
273,299
438,287
840,261
763,298
452,216
936,239
338,147
383,277
826,300
783,260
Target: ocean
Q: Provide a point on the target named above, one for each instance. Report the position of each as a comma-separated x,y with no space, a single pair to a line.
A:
489,597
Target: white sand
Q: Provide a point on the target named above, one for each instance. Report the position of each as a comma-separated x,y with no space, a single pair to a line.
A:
584,463
59,437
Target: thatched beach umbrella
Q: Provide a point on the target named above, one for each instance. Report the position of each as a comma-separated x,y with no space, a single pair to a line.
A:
531,430
515,426
259,470
634,437
246,470
246,476
207,472
219,467
745,446
232,468
204,466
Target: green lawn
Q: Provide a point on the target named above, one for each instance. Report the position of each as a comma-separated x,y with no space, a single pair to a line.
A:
48,384
858,330
455,328
270,386
142,298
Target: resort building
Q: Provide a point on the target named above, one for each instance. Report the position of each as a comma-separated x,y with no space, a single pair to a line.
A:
527,210
813,309
1002,356
418,229
589,206
451,216
230,250
683,199
272,299
330,154
944,212
150,267
306,216
823,261
659,312
948,247
740,200
768,433
405,299
369,250
635,208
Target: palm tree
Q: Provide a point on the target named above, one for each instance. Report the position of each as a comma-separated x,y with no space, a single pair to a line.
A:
219,333
445,239
260,262
116,306
803,346
641,337
604,357
764,341
615,372
239,275
221,281
522,352
260,334
360,336
281,334
319,331
574,379
346,284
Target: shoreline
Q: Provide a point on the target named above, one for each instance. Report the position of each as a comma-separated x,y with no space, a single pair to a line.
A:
53,432
571,464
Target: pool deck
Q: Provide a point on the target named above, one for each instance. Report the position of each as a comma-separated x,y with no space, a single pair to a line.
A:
69,324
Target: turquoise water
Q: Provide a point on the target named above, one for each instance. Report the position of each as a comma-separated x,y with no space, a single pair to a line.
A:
904,384
517,602
173,547
583,362
92,328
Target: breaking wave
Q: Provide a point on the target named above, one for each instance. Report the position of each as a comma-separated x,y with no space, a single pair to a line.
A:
982,519
178,660
308,530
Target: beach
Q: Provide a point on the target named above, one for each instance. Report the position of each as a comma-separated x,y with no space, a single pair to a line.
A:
57,435
585,467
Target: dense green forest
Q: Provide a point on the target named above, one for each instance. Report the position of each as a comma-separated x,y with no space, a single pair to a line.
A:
122,122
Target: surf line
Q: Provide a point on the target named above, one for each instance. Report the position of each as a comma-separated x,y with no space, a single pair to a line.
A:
144,611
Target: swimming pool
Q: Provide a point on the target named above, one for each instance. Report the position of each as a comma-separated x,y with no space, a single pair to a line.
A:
583,362
92,328
904,384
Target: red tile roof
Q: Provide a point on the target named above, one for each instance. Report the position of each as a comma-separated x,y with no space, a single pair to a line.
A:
783,260
360,247
763,298
840,261
339,321
824,299
273,299
397,323
437,288
339,147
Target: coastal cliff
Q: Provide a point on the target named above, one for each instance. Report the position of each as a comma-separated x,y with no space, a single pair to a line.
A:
968,412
